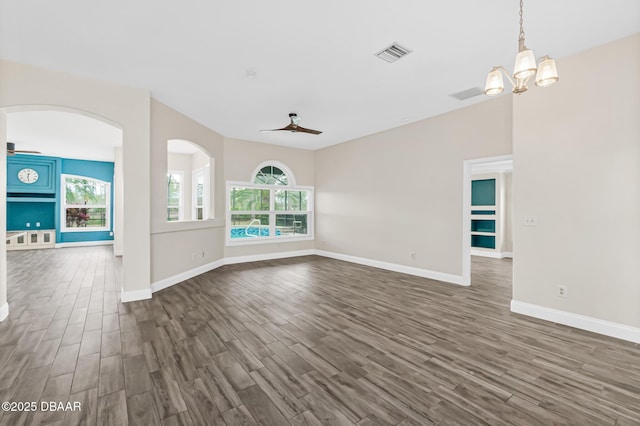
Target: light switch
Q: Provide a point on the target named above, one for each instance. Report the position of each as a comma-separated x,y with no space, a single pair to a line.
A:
28,225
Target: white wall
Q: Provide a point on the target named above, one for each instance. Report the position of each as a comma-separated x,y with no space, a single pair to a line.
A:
240,161
4,307
118,208
398,192
178,247
507,219
125,107
577,168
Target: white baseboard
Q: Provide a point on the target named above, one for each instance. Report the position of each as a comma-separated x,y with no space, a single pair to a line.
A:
608,328
268,256
425,273
183,276
492,254
85,244
135,295
4,312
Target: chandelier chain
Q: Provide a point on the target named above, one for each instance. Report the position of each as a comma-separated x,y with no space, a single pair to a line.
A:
521,27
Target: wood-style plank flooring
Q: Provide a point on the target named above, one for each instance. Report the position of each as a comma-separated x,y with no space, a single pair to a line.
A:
303,341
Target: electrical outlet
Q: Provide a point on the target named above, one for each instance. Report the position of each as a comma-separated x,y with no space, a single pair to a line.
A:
28,225
37,224
562,291
203,254
412,255
530,221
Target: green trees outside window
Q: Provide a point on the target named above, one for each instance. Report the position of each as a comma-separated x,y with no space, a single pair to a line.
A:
86,204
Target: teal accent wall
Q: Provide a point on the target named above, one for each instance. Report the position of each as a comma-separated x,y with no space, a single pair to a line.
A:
101,170
483,192
43,203
21,213
46,167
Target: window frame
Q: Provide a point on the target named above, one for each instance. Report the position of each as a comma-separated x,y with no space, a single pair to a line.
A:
205,171
272,212
64,205
181,205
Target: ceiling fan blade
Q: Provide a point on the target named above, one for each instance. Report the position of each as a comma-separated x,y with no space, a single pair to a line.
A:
26,152
11,150
290,128
305,130
293,127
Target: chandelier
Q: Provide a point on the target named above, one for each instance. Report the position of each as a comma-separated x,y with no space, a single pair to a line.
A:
525,68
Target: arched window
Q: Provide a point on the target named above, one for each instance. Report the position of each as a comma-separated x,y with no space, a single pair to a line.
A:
269,207
271,175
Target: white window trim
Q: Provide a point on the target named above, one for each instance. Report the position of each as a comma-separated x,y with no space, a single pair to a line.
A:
181,205
273,238
64,206
205,194
281,166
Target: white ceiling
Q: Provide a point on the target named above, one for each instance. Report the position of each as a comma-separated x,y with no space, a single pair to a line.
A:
63,134
313,58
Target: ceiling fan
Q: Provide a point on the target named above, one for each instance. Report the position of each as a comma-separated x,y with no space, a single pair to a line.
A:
293,126
11,150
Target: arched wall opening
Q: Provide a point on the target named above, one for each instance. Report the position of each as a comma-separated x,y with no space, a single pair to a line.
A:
189,181
25,86
84,150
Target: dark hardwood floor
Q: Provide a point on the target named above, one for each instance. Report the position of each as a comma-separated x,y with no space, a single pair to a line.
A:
303,341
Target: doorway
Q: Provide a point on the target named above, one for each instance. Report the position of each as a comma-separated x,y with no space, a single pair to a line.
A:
74,195
487,210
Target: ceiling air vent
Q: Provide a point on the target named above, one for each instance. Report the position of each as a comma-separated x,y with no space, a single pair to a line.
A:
393,52
466,94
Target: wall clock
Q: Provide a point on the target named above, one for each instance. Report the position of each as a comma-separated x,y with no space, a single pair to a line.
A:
28,176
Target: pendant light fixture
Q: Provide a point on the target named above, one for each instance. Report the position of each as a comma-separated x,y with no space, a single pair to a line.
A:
525,67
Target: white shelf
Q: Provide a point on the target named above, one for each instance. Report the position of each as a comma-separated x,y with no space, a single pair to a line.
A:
488,234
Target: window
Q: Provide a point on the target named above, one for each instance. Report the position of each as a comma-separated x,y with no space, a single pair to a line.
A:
174,196
269,208
271,175
85,204
188,181
199,191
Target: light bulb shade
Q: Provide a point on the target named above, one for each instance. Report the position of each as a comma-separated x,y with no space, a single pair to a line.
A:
525,64
495,83
547,72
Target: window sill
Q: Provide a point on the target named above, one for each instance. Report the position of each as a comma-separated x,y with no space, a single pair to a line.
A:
186,225
71,230
255,241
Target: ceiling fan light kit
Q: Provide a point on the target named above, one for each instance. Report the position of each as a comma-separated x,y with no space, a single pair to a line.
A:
526,66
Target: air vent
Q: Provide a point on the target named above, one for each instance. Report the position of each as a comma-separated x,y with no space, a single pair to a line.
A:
393,52
466,94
